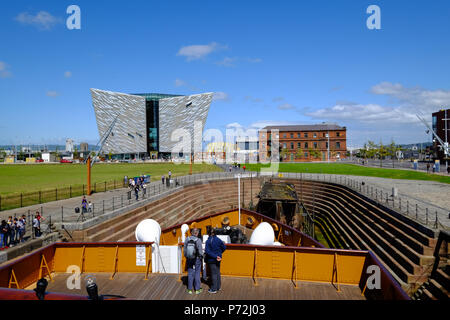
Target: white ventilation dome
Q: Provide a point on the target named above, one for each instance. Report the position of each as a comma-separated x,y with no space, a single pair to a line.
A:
276,243
184,229
263,235
148,230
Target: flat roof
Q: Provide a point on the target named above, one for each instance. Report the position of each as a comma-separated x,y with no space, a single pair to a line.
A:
306,127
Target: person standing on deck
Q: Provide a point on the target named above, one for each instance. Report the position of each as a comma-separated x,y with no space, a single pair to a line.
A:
193,252
213,254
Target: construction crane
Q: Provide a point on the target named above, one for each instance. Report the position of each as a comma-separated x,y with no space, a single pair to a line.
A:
90,162
444,145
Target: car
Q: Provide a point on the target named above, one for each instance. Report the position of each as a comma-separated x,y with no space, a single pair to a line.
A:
65,161
39,160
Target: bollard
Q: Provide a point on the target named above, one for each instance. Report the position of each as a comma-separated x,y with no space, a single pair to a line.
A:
121,200
62,214
93,209
426,217
103,206
417,211
113,205
407,207
400,204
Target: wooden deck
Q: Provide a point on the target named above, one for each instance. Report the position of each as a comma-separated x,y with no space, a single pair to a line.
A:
168,287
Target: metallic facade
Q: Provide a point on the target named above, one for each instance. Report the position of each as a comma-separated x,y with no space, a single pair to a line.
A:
181,112
129,135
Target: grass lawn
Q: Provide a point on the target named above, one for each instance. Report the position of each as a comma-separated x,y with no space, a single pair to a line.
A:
354,170
26,177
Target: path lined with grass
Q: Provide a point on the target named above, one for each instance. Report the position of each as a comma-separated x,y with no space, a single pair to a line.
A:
353,170
33,177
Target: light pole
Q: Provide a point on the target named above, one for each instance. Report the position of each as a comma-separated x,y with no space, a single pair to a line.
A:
328,146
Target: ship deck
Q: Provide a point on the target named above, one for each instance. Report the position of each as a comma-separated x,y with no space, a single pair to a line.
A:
169,287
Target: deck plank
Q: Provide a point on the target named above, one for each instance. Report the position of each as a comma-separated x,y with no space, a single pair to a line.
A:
167,287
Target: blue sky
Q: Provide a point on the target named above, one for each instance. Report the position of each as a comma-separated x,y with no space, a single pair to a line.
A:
269,62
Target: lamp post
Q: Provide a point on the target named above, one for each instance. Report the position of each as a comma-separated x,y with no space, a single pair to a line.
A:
328,146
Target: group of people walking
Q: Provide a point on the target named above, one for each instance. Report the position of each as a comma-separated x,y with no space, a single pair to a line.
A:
212,256
136,185
12,231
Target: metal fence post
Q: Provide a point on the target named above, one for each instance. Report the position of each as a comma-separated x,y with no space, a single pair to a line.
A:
56,194
400,204
93,209
70,191
113,205
407,207
0,203
103,207
62,214
417,211
426,217
436,223
40,199
121,200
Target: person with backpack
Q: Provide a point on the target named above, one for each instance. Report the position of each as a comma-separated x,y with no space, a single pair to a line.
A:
193,252
213,255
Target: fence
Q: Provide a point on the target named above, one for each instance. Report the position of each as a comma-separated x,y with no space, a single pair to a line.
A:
429,216
25,199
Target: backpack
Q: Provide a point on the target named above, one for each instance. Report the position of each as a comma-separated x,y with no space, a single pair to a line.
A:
191,248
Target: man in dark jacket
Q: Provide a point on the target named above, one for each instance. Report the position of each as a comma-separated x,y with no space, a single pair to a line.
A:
194,264
213,255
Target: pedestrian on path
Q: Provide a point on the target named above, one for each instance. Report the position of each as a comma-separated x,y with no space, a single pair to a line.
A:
4,234
37,226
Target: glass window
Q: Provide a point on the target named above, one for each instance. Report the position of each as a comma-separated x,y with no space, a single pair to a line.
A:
315,145
306,145
315,135
299,135
284,145
292,135
292,145
292,156
338,145
299,145
306,154
306,134
338,134
326,144
284,135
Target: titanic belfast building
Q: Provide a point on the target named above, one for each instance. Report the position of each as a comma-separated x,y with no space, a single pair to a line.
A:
144,122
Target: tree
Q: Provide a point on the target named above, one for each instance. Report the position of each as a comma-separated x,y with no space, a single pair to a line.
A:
372,149
382,152
314,153
299,153
284,152
75,153
110,155
392,151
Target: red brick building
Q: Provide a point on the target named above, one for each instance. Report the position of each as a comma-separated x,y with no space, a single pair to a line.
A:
301,143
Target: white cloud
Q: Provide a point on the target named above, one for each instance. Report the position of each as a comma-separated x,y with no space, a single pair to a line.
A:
179,83
67,74
4,72
254,60
407,103
286,106
52,93
277,99
220,96
227,62
195,52
42,20
253,99
234,125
